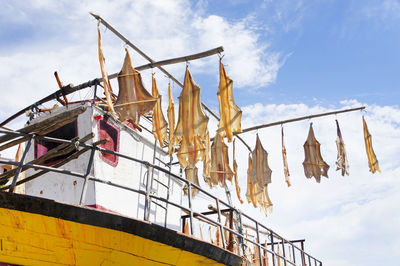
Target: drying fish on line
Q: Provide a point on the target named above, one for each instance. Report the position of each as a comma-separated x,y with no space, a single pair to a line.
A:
341,161
159,122
191,129
372,161
220,170
229,112
258,178
235,175
313,163
285,164
104,75
133,99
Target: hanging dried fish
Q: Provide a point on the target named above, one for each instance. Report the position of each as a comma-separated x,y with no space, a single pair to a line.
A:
372,161
191,175
230,113
341,159
191,129
258,178
261,173
285,164
159,123
235,175
313,163
133,99
207,162
104,75
171,121
220,170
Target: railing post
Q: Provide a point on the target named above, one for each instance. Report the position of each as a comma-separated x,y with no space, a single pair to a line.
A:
259,245
20,164
220,223
294,254
303,259
190,207
168,190
147,198
85,184
283,252
94,94
272,247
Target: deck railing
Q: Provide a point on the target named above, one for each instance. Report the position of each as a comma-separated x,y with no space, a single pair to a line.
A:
266,242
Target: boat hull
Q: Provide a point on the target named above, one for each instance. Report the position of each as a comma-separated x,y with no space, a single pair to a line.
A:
35,231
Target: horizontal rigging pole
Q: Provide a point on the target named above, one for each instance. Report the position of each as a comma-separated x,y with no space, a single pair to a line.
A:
298,119
153,63
175,60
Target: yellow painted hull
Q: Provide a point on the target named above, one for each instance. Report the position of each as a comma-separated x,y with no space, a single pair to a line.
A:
36,239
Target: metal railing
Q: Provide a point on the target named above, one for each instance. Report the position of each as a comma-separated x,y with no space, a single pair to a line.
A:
265,240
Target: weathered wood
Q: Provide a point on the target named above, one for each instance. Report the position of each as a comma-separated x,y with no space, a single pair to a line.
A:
47,125
60,86
13,143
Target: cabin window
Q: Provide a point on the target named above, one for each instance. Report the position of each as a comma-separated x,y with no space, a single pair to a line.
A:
110,132
67,132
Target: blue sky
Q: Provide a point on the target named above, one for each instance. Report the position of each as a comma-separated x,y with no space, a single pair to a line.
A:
286,58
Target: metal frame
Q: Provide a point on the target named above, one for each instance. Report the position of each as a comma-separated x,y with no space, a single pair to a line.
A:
193,214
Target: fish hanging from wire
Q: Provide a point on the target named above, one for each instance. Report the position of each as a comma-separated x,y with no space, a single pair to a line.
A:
159,122
104,75
258,178
235,173
133,99
230,113
220,170
207,163
341,159
372,161
313,163
191,129
171,121
285,164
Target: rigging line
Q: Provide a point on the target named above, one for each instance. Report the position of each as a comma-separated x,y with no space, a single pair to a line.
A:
297,119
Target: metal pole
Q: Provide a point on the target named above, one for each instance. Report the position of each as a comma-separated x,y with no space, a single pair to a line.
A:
259,245
272,247
168,190
85,184
283,252
147,198
294,254
20,164
303,259
190,207
220,223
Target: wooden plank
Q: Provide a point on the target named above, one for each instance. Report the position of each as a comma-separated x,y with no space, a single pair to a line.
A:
47,125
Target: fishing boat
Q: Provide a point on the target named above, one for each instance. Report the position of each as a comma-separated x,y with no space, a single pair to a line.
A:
89,189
